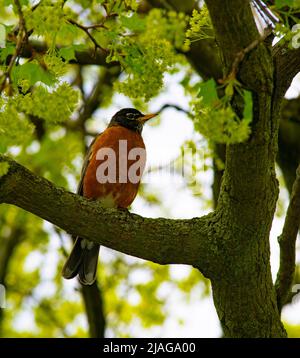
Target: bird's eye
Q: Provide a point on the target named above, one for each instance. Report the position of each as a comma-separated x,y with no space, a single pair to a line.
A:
130,115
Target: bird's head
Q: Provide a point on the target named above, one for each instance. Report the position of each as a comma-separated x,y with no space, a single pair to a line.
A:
131,118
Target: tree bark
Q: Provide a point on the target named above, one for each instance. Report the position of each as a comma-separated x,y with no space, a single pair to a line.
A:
92,299
164,241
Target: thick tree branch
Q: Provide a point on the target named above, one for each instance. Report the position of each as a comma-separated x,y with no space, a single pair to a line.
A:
287,242
186,6
87,57
164,241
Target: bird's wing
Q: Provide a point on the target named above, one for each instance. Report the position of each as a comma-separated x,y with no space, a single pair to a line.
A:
85,165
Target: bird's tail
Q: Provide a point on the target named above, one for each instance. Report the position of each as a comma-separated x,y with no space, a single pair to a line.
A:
82,261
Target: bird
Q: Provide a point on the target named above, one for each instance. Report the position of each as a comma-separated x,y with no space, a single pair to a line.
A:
111,173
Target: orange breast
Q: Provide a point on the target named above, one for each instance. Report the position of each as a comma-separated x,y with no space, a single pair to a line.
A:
117,161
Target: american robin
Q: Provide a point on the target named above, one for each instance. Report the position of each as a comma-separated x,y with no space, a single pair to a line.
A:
111,173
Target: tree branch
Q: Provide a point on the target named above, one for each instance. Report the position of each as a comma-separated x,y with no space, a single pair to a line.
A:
91,37
174,106
21,37
242,54
92,299
164,241
87,57
287,242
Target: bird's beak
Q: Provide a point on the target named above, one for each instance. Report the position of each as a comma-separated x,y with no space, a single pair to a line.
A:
146,117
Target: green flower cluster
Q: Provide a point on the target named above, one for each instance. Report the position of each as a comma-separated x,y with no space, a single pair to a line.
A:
15,128
215,118
54,107
169,25
200,27
145,64
221,125
45,19
146,51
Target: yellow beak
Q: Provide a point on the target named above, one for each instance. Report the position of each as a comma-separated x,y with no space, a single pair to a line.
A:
146,117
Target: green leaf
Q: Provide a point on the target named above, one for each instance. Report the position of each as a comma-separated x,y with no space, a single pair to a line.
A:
55,107
33,73
15,129
68,53
3,168
282,3
208,92
5,52
133,22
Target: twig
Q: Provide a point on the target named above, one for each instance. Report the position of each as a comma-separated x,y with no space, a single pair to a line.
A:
19,45
21,18
175,107
101,25
86,30
241,55
287,243
95,26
